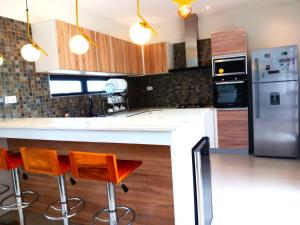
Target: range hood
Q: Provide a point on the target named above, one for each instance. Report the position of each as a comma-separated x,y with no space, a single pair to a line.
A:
186,57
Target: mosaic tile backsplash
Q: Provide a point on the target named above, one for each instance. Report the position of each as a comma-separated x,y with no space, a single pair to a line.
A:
18,77
169,90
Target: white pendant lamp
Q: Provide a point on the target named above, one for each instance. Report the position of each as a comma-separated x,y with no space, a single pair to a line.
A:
141,31
31,52
79,44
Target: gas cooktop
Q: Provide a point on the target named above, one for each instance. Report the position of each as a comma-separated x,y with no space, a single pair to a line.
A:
190,106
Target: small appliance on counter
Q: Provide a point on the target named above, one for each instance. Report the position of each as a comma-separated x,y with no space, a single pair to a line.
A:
275,101
230,81
115,100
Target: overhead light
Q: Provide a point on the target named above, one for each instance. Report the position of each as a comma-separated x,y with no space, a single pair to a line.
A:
185,8
1,59
80,43
207,7
31,52
141,31
184,11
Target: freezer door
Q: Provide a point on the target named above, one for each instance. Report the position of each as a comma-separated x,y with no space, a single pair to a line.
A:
275,118
275,64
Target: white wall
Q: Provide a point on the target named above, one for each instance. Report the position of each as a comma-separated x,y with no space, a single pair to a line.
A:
271,26
41,10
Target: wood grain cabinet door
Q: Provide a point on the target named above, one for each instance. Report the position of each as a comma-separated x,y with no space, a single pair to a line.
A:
118,55
229,42
156,58
233,129
69,60
104,53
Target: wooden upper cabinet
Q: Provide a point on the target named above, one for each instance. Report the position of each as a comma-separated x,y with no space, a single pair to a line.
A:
104,52
233,129
156,58
110,55
229,42
67,59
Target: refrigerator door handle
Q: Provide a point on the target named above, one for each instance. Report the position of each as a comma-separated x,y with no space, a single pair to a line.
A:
257,88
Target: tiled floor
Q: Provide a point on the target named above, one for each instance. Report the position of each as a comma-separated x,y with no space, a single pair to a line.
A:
255,191
246,191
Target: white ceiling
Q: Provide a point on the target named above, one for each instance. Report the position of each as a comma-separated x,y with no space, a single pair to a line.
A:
160,11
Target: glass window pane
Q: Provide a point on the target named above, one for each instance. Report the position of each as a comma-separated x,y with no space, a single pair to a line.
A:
96,85
65,87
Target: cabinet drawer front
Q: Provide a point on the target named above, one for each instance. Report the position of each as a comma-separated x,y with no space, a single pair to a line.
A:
233,129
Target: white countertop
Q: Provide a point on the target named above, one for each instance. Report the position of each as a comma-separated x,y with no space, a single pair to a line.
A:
149,120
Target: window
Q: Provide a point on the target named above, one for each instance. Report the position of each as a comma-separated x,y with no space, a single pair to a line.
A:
95,85
65,85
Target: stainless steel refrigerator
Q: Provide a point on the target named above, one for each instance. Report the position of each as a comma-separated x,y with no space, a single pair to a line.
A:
275,102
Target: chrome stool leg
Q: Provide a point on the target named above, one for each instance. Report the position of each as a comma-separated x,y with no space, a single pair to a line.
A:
113,210
18,194
66,211
113,219
63,198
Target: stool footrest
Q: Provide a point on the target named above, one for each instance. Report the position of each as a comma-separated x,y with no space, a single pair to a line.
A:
3,189
77,206
14,206
122,211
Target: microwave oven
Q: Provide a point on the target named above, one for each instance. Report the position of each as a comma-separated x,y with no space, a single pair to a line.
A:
226,67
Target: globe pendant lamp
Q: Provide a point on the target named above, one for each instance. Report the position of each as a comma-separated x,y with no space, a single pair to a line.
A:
31,52
1,59
141,31
79,44
185,8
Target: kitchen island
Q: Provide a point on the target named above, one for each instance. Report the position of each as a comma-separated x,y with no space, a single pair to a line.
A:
161,191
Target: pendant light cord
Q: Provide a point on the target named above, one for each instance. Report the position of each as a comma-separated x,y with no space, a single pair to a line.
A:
35,45
143,20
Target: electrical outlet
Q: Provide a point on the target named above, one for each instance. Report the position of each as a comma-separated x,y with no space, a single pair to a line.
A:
10,99
149,88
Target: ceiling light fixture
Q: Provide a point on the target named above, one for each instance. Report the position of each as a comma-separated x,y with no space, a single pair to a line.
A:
207,7
141,31
185,8
80,43
31,52
1,59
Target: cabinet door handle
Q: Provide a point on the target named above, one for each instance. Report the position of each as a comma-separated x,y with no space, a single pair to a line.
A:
257,88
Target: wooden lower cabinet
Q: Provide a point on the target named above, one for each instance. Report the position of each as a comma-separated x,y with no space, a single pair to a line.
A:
233,129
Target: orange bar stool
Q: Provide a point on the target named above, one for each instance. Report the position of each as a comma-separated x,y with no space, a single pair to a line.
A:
47,162
13,162
105,167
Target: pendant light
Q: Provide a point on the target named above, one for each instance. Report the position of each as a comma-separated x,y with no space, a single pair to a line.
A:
185,8
31,52
1,59
80,43
141,31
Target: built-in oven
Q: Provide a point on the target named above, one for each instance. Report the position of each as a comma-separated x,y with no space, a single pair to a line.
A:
231,94
229,67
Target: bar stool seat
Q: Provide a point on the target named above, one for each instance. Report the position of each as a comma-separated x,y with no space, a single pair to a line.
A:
45,161
105,167
14,162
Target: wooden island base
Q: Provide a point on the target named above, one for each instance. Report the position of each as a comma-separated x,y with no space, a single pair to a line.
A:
150,187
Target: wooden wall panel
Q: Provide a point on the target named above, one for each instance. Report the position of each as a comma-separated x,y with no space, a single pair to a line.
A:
150,195
233,129
69,60
156,58
230,42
